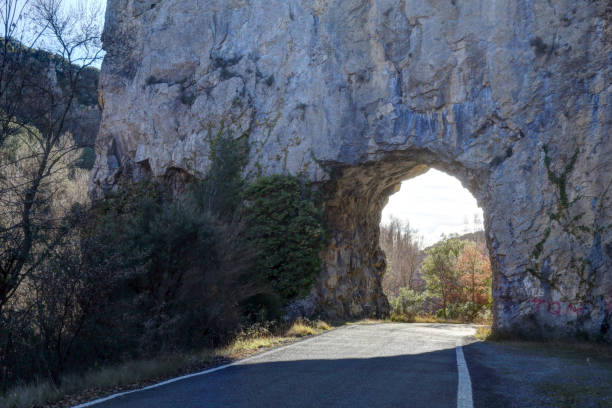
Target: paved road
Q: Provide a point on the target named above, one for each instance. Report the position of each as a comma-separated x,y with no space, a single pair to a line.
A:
381,365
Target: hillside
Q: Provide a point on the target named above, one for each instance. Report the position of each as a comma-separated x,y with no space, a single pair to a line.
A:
40,79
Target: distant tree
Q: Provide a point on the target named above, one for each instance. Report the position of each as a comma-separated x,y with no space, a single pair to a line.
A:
474,269
441,273
402,247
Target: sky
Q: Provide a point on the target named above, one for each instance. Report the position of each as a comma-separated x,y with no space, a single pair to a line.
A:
434,204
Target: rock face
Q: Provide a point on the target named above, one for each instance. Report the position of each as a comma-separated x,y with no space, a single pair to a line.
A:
513,97
47,70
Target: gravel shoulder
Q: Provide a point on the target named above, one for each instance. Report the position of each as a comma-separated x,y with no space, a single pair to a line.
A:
523,374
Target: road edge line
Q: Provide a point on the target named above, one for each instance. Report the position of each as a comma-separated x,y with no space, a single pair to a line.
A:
187,376
464,386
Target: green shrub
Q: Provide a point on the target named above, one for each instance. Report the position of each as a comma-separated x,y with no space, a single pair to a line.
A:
286,228
408,304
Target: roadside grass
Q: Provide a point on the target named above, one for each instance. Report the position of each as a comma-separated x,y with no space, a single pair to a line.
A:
484,333
362,321
76,389
400,318
301,330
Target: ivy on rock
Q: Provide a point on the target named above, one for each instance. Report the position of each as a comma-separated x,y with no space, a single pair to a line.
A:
286,227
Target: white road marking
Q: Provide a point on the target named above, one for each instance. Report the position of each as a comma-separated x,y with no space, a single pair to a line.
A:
173,380
464,388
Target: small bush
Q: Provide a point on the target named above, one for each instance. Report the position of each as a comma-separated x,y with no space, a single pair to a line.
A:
407,305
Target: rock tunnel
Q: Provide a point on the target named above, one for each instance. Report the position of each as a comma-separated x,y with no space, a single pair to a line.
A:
511,97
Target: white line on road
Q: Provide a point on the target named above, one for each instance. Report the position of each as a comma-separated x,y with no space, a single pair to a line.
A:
464,389
173,380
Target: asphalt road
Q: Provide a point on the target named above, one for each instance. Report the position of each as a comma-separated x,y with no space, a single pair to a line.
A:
394,365
379,365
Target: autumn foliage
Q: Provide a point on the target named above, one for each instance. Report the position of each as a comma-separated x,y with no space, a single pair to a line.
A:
474,269
457,282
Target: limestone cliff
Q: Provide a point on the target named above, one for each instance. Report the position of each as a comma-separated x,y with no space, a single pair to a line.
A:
513,97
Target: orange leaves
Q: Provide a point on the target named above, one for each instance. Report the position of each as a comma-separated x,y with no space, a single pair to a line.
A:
474,270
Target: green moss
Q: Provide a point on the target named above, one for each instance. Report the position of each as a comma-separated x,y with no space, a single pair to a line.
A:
560,180
537,252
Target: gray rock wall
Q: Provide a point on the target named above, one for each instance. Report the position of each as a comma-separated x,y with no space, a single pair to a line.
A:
513,97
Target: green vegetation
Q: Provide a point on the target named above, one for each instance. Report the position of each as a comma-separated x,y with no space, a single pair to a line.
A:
408,305
287,229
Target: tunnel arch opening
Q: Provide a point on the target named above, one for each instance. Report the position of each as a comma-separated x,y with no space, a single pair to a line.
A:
437,262
350,285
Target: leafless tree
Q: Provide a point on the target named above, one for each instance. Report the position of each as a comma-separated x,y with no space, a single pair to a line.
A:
37,93
402,248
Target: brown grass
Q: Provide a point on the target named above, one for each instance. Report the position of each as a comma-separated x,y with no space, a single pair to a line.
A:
299,329
433,319
483,333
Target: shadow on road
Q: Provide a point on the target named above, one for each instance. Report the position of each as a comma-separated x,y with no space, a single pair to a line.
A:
420,380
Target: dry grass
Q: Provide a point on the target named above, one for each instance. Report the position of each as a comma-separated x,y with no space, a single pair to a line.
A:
400,318
433,319
321,325
366,321
483,333
300,329
76,389
242,348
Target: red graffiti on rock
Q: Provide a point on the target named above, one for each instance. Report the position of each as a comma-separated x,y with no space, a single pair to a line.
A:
556,308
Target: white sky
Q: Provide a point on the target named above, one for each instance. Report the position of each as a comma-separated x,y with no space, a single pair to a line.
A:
434,204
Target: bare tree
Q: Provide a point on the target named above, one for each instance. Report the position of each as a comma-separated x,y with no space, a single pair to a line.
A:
402,248
46,50
37,93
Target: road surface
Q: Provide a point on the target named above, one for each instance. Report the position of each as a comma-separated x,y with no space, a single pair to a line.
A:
386,365
382,365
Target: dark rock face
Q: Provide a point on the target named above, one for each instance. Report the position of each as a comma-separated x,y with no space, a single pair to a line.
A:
44,73
511,97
